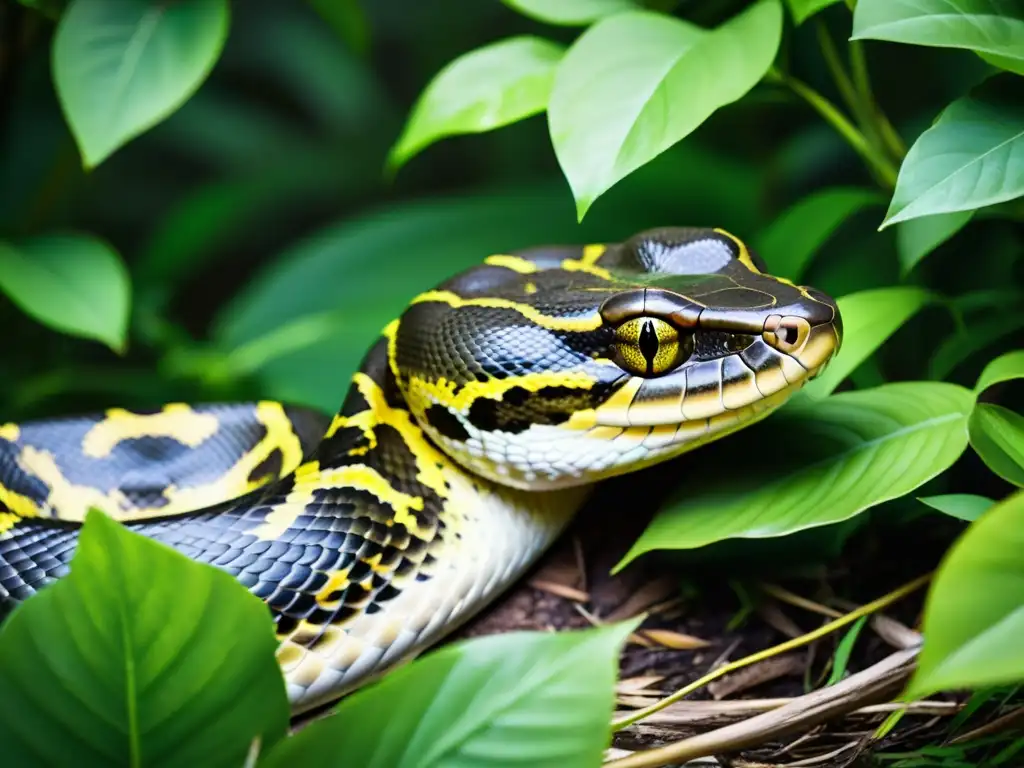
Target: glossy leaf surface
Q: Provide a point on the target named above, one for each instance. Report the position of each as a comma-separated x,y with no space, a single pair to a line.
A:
149,659
844,455
974,613
540,700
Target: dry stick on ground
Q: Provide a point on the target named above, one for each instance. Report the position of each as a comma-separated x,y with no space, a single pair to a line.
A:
874,684
797,642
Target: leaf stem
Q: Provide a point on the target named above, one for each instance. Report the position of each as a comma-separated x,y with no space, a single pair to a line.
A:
876,605
880,165
862,81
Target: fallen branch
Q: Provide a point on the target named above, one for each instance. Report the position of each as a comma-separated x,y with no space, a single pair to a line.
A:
870,686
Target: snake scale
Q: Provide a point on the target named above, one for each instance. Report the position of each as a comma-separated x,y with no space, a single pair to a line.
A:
477,425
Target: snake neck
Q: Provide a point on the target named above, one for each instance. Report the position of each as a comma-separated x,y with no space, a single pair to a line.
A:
434,543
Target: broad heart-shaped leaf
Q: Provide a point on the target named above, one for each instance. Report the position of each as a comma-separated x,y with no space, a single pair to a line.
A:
997,436
73,283
570,13
971,157
528,699
869,318
789,244
481,90
636,83
804,9
1004,368
974,612
140,657
916,238
122,67
842,455
988,26
964,506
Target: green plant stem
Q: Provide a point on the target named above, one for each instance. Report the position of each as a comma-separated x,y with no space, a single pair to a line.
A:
892,141
797,642
835,67
880,165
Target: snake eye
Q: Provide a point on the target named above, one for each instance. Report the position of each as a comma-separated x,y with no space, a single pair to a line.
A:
648,346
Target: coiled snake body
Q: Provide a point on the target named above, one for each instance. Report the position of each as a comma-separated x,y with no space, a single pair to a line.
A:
472,433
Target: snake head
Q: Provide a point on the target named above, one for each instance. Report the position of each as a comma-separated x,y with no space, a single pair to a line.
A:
559,366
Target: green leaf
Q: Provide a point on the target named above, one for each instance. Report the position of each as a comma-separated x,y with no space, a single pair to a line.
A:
916,238
987,26
122,67
964,506
843,651
974,612
997,436
520,699
792,240
842,455
479,91
1004,62
971,157
804,9
869,318
75,284
149,659
636,83
1004,368
570,13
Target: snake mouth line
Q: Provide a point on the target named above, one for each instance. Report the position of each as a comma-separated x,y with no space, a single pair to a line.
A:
718,388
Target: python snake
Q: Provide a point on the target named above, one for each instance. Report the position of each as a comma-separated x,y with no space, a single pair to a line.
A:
477,425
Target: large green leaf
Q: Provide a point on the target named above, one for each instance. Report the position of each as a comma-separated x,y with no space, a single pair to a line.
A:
964,506
804,9
479,91
837,457
519,699
636,83
997,436
570,13
72,283
869,318
974,613
916,238
1006,367
792,240
122,67
971,157
987,26
139,656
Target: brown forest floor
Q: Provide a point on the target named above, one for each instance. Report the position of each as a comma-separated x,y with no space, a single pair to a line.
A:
701,617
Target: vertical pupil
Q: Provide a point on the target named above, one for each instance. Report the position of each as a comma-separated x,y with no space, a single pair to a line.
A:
648,343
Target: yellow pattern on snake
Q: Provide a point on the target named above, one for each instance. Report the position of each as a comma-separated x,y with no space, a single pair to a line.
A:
475,429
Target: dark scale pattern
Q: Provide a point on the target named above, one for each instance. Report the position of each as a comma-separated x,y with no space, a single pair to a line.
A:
481,344
335,529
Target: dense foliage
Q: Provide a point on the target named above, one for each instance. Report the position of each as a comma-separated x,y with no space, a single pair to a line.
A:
154,205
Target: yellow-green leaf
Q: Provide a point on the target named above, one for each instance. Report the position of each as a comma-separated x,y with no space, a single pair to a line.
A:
974,613
481,90
636,83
